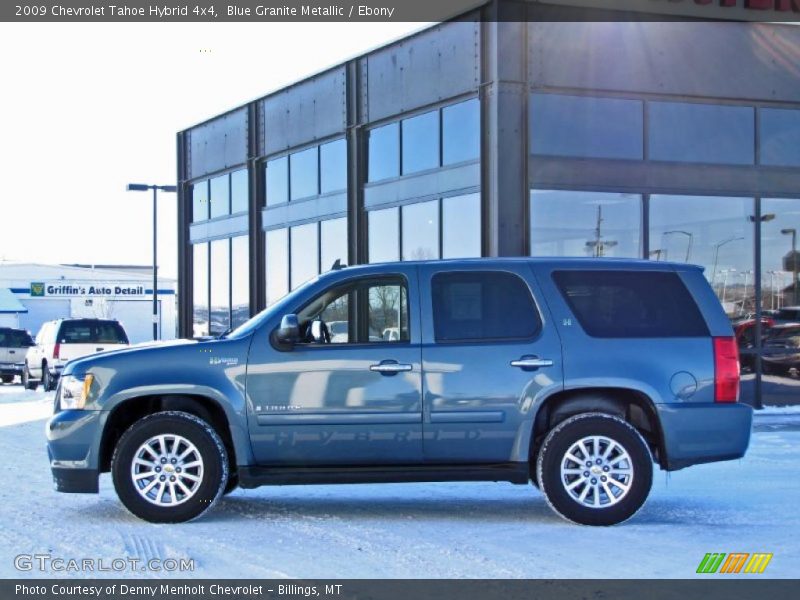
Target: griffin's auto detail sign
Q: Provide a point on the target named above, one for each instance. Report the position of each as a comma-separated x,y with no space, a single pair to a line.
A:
90,289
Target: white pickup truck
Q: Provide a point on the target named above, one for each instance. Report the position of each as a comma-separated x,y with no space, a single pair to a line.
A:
67,339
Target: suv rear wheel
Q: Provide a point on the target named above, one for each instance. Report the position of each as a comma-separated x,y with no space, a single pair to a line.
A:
169,467
595,469
27,382
48,382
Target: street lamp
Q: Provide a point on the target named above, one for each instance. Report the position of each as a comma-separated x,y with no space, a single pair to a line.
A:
793,232
142,187
688,234
716,255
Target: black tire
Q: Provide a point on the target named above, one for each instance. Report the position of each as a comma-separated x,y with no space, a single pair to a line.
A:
554,450
211,450
232,484
48,382
27,382
8,378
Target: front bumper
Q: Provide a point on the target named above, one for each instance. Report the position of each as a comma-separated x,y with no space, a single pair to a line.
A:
73,440
703,432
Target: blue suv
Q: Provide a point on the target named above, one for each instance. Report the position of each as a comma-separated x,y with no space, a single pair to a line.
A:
575,375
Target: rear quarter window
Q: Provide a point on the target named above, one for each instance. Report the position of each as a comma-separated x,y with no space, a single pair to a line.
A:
631,304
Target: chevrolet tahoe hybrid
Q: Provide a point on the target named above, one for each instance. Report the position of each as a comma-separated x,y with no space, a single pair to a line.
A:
574,375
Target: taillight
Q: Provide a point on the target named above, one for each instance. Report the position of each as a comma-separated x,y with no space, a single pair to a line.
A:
56,349
726,369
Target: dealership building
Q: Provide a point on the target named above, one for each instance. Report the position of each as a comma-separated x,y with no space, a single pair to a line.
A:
508,131
31,294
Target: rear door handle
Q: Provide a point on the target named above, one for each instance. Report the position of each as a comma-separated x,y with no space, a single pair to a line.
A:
387,367
531,362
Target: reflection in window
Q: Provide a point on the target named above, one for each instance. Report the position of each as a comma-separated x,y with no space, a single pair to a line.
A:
593,224
384,235
779,137
200,201
220,196
220,287
277,178
333,166
303,173
461,226
200,290
277,261
461,132
239,191
703,133
421,142
711,231
333,242
304,253
779,229
421,231
384,152
240,280
585,126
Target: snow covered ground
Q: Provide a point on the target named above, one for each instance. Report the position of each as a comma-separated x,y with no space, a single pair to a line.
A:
407,530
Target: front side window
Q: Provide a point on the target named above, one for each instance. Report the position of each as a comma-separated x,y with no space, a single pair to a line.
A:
631,304
365,311
482,305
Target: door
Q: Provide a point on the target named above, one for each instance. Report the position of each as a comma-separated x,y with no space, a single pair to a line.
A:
349,393
488,353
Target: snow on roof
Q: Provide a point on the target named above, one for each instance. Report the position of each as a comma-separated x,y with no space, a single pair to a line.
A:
9,302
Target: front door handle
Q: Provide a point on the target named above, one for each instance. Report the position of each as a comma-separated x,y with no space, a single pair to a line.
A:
390,367
531,362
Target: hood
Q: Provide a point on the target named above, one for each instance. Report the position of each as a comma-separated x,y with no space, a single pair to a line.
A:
80,365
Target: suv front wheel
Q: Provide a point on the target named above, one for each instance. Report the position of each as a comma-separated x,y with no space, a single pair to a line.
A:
595,469
169,467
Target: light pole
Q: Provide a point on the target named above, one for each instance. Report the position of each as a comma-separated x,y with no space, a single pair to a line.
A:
716,255
793,232
143,187
688,234
725,282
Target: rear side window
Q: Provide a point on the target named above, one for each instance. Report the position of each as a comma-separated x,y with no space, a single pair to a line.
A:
478,305
631,304
92,332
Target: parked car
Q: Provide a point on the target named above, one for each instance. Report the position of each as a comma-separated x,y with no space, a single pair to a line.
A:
576,375
14,344
781,349
787,314
745,332
63,340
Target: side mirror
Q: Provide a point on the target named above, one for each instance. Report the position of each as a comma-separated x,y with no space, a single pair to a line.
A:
289,331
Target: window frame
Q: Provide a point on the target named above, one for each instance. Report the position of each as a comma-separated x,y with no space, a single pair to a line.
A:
537,334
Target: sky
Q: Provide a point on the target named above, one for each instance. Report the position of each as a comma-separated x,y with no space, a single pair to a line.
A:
87,108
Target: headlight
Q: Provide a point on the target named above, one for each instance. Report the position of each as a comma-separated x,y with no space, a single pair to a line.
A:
74,392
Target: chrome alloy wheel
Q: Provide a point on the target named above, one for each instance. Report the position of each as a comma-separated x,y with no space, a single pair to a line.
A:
597,472
167,470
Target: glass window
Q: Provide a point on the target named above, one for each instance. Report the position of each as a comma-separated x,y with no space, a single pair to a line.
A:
304,173
572,223
220,196
384,152
277,260
421,231
620,304
461,132
92,332
277,177
333,166
239,191
704,133
333,242
461,226
200,201
478,305
421,142
584,126
384,235
304,253
382,307
711,231
200,290
220,287
780,137
240,280
779,244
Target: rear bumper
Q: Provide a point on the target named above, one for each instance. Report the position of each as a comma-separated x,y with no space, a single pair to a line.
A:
703,433
11,369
